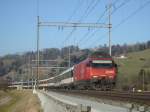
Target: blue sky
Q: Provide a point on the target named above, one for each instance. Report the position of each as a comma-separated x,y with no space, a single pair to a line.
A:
18,23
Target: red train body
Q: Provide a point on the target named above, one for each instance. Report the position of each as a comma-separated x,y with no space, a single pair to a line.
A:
95,72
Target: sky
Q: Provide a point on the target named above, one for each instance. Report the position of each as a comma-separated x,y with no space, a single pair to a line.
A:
18,23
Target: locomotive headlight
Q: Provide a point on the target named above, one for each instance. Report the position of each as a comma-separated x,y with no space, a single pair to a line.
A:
109,72
95,76
111,77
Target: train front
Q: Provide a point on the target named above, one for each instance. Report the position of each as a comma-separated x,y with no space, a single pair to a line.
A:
102,72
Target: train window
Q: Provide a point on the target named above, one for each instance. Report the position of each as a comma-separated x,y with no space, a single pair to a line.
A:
102,63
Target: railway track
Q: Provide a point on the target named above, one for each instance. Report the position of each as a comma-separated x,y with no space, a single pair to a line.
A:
137,97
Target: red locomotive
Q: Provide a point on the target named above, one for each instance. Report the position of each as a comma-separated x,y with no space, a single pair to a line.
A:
98,71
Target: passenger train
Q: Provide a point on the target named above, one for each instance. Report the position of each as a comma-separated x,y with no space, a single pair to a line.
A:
98,71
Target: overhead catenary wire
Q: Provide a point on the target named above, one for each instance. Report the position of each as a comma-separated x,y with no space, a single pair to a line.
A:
121,5
85,16
87,33
89,10
127,18
132,14
86,10
82,17
69,19
98,20
78,5
85,37
117,8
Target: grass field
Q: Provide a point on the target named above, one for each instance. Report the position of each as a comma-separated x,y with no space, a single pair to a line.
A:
19,101
129,68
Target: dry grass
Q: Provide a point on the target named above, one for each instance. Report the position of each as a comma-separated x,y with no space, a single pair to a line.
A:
22,101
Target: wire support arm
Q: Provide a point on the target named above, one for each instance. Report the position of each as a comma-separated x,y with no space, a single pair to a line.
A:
66,24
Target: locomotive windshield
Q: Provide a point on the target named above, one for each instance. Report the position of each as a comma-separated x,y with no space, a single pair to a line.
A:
102,63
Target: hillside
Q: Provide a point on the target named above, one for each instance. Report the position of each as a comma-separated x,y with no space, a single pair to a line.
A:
129,68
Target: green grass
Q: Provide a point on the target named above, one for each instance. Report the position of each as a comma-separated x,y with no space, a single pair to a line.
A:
130,67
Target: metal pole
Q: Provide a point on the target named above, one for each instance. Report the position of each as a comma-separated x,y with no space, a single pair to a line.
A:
69,57
32,77
28,71
110,29
143,80
38,54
